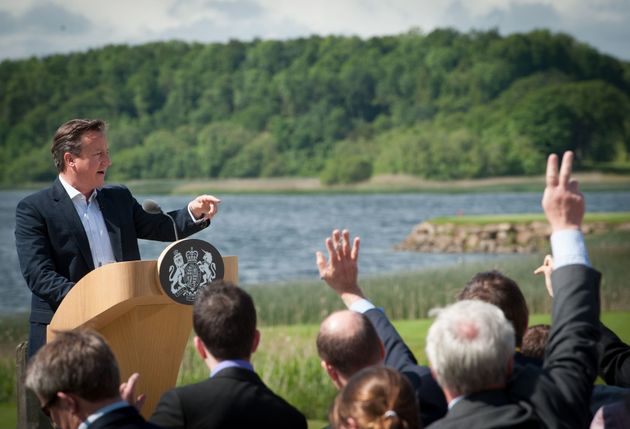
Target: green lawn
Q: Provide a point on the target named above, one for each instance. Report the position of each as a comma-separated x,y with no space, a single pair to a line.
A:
287,361
612,218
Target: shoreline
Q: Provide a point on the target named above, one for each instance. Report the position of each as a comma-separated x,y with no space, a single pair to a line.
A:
383,184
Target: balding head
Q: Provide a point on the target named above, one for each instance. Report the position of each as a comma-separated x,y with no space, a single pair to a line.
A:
471,347
347,342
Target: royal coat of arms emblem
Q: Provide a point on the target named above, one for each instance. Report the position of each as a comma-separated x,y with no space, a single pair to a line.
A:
188,266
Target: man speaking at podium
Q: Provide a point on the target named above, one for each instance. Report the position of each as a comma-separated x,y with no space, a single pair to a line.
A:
78,224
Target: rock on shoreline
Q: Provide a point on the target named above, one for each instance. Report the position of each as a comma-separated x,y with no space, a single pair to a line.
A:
504,237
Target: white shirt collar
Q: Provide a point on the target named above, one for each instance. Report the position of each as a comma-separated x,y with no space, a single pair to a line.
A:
455,400
74,192
101,412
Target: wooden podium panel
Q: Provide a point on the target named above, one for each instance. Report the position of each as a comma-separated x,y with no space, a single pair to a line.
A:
146,330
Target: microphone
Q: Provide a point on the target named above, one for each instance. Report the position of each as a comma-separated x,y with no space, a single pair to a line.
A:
152,207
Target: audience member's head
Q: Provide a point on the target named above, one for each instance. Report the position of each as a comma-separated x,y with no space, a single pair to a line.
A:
72,376
535,341
224,319
346,343
470,347
376,397
502,291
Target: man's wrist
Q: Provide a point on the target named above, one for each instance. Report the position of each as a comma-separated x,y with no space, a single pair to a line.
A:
361,305
193,217
565,226
568,248
349,298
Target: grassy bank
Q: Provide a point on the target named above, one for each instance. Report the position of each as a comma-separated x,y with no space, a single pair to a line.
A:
612,218
412,295
377,184
589,181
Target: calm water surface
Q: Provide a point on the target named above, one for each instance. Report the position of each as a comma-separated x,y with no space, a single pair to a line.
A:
276,237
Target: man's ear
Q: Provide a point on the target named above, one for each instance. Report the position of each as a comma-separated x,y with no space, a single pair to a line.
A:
256,341
332,373
200,348
68,159
69,402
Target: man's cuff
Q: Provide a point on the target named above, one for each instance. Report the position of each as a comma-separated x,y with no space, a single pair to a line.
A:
197,221
361,306
568,248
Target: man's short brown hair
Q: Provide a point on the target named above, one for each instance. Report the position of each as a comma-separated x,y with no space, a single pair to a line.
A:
535,341
79,362
355,348
224,318
502,291
68,138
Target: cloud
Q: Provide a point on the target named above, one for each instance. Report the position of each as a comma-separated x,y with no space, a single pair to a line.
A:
521,17
604,24
516,17
44,20
221,29
608,30
8,24
39,27
242,9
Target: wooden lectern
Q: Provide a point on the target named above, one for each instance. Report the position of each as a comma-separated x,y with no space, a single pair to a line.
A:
146,329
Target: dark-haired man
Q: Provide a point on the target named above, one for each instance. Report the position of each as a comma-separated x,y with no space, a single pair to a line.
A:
224,320
78,224
76,380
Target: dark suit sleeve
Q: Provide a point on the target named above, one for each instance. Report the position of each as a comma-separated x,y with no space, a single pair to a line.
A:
168,413
159,227
398,356
561,392
614,358
36,255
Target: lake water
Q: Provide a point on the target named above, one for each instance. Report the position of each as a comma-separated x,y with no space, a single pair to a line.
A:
276,236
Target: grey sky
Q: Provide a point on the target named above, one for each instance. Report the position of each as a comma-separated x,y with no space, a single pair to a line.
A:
42,27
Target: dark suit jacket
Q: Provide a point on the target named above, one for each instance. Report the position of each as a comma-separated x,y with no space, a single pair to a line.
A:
398,356
492,410
233,398
53,248
521,360
558,394
602,394
122,418
614,358
614,416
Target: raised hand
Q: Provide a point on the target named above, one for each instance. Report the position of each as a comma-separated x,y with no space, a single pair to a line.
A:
562,201
341,271
128,392
546,268
204,206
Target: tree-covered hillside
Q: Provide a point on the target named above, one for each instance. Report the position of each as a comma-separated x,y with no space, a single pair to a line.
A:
441,105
